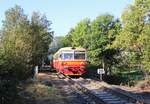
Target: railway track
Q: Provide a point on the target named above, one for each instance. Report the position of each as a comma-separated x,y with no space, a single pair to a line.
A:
62,83
107,94
94,92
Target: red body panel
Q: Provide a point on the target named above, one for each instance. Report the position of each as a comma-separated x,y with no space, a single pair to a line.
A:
72,67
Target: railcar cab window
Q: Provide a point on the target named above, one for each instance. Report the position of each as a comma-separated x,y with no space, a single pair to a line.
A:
68,56
61,56
79,55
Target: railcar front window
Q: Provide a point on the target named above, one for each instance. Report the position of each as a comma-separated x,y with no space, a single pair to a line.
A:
68,56
79,55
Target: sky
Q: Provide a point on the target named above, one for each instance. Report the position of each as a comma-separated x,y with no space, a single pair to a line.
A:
65,14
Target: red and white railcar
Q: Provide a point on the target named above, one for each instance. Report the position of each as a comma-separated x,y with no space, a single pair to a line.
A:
70,61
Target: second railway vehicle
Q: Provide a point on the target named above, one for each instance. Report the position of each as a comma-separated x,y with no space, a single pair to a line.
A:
70,61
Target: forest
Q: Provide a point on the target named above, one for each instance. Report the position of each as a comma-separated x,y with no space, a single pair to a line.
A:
119,45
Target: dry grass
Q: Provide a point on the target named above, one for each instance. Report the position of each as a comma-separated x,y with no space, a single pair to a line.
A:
93,85
40,90
42,94
144,85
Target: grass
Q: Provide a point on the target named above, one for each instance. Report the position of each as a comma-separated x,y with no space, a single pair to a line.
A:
42,94
41,90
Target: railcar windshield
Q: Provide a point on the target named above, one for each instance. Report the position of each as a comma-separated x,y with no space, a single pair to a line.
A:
79,55
68,56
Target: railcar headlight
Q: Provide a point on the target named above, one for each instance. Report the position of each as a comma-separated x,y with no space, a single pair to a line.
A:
82,67
63,63
82,63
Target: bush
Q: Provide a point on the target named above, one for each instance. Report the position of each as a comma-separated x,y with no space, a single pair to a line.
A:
114,79
125,78
8,90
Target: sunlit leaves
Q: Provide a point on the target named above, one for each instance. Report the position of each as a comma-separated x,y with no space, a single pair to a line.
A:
24,42
134,37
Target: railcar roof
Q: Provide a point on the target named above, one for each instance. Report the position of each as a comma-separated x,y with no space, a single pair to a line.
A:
69,48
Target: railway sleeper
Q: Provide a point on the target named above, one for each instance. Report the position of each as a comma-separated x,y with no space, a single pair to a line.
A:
102,96
124,95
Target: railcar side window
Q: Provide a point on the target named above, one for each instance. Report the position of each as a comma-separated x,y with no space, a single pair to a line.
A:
79,55
68,56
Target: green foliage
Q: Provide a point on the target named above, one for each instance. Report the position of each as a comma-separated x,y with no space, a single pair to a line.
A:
134,37
103,31
80,35
15,41
24,43
9,91
134,19
125,78
67,41
42,36
57,43
144,41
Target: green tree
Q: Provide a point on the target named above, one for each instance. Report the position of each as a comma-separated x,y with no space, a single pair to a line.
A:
15,40
67,41
41,37
104,29
132,38
24,44
81,34
57,43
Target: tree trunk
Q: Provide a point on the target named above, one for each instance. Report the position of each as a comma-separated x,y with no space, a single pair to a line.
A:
104,66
